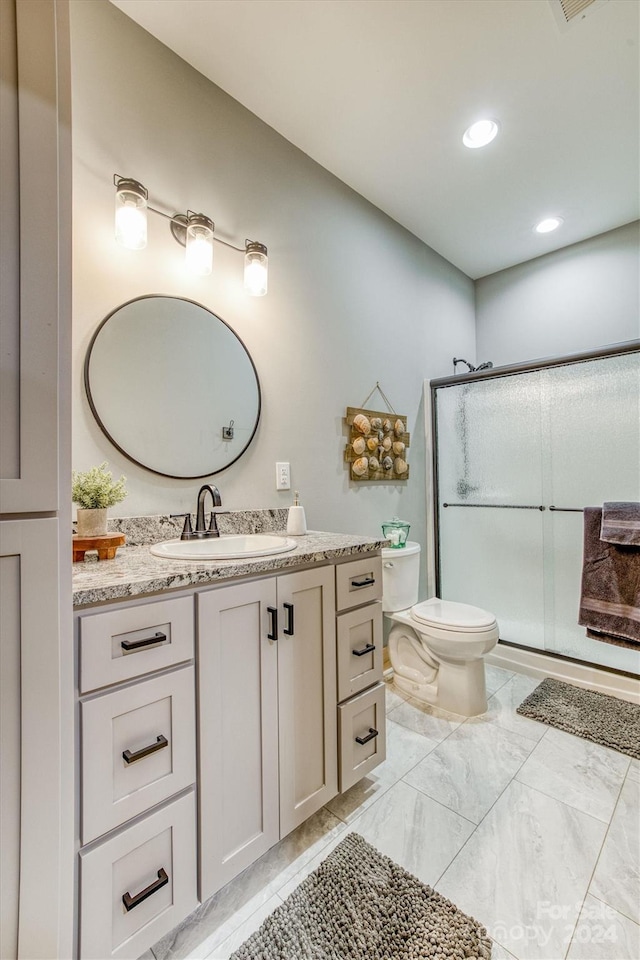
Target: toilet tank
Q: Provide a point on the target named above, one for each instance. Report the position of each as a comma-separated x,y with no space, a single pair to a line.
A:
400,576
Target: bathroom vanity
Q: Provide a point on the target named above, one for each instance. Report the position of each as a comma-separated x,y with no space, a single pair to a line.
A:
220,705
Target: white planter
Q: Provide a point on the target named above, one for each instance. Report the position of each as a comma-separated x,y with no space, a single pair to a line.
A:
92,523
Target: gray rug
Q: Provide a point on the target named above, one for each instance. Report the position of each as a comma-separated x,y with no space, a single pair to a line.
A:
361,905
595,716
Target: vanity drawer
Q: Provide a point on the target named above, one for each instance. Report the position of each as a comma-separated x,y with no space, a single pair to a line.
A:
361,718
357,582
138,748
122,644
151,865
359,649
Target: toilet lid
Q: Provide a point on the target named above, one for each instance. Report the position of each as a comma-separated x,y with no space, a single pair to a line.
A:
449,615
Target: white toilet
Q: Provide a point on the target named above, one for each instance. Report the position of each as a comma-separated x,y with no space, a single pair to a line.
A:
437,647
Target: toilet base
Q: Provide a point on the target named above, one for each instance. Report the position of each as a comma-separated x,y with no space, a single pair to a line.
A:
426,692
462,688
455,685
459,688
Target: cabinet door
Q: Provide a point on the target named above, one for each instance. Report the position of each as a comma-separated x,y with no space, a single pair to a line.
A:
306,694
29,759
34,249
238,725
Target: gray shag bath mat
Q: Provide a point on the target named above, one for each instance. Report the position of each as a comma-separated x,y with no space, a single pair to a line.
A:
595,716
360,905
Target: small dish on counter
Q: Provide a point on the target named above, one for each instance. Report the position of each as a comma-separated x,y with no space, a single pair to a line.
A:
225,547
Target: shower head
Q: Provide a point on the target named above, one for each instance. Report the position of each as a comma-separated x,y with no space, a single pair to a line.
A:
485,366
457,360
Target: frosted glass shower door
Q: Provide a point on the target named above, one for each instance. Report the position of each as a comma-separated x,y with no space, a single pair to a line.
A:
591,415
490,492
558,438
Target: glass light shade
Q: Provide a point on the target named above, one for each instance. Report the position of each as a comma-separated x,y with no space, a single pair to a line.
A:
481,133
548,224
199,249
256,267
131,214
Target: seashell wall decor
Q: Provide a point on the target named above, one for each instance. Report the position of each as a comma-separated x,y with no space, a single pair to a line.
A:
362,424
382,439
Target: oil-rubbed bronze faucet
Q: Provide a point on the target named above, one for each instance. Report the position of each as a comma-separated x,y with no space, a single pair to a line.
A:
202,531
216,501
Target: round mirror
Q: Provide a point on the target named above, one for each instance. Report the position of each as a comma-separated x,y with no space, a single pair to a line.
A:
172,387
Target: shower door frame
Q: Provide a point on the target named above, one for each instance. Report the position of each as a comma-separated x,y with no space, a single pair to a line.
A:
509,370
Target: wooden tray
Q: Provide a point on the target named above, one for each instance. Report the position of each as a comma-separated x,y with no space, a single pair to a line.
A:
106,545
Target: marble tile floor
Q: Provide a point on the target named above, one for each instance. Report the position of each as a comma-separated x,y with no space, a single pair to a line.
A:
533,831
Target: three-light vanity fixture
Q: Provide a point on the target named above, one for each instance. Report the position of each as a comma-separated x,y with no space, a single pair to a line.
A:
194,231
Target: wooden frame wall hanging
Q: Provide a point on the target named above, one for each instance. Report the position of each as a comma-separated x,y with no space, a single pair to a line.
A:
378,442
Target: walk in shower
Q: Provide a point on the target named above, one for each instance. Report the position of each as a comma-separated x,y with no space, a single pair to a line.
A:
518,452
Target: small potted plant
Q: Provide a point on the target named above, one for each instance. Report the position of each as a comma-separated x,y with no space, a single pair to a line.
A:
93,492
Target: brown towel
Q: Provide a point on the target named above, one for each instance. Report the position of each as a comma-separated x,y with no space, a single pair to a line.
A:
610,597
621,523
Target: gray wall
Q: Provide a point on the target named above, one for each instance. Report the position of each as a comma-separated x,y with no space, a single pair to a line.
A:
579,298
353,297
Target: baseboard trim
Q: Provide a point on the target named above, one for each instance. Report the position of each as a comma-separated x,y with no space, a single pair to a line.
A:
539,665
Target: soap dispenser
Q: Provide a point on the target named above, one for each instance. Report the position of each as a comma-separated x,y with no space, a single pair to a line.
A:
296,521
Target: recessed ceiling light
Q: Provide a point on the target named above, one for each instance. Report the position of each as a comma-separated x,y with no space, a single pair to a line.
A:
480,133
548,224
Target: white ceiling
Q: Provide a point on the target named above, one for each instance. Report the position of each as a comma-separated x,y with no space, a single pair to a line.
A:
380,92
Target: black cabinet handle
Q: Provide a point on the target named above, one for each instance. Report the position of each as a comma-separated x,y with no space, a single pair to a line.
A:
273,613
370,736
370,647
288,630
129,757
367,582
131,902
158,637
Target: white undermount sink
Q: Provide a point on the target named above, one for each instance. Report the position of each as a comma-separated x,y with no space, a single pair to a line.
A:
226,547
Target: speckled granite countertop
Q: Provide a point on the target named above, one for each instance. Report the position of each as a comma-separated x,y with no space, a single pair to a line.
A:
135,572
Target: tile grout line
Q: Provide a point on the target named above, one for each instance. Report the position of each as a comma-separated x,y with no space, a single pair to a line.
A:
439,802
507,734
620,912
210,956
472,834
593,872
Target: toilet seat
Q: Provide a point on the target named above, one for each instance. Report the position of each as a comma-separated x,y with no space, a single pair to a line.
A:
449,615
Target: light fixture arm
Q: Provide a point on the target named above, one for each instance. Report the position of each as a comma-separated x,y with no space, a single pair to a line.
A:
179,228
182,227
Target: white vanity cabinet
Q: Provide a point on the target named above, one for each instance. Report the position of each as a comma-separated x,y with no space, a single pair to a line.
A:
281,685
138,770
267,715
361,692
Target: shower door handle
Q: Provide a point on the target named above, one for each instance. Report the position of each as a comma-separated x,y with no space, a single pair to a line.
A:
500,506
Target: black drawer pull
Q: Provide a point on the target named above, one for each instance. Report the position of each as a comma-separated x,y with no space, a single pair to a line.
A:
273,613
158,637
367,582
370,736
370,647
131,902
129,757
288,630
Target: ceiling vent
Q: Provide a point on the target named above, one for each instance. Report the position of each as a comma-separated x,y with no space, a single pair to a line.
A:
569,12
